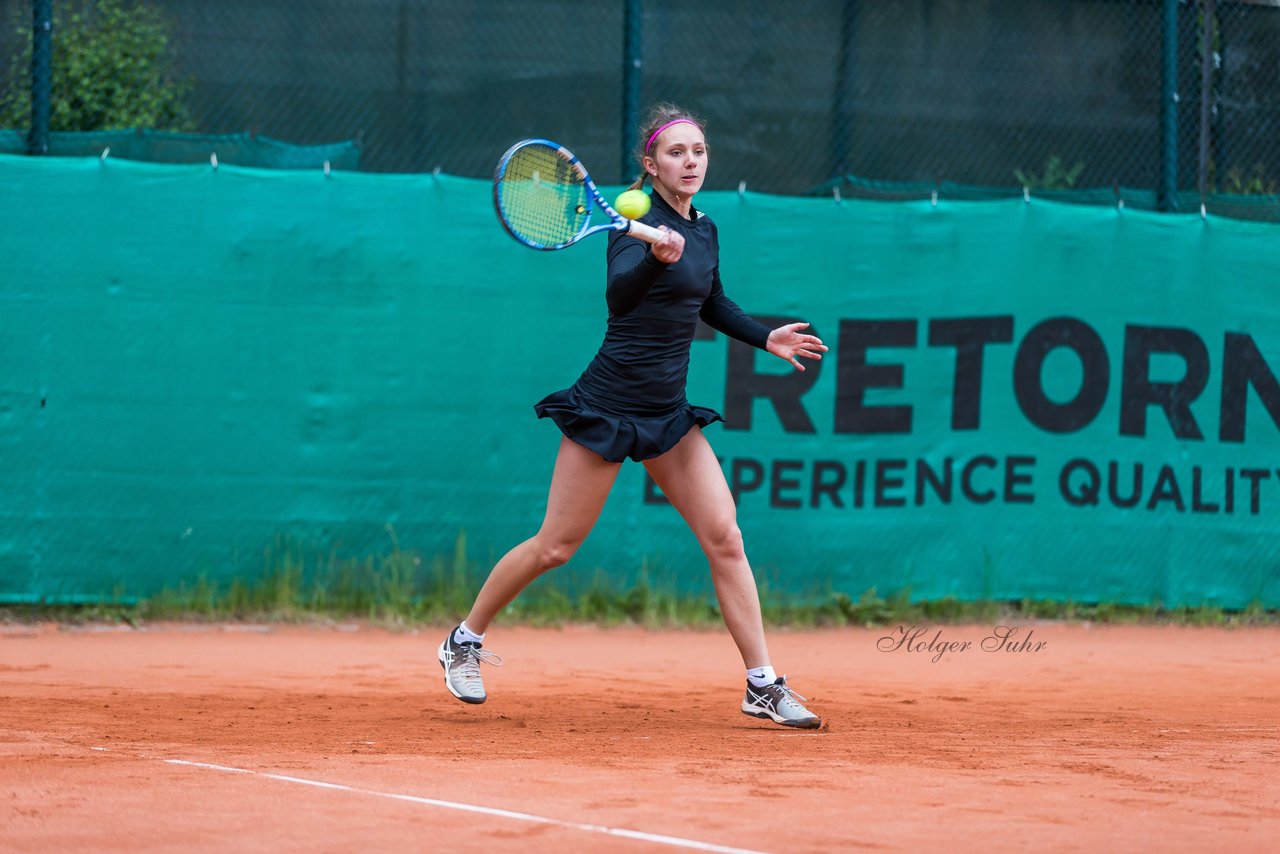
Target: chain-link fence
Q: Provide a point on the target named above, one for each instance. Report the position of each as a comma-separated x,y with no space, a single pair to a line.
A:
1051,94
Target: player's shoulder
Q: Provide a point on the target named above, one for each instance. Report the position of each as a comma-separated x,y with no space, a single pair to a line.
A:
705,222
703,218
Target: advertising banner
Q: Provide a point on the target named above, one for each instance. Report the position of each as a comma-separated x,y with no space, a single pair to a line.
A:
1021,398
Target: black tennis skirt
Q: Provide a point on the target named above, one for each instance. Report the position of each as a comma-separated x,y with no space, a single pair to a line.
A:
617,437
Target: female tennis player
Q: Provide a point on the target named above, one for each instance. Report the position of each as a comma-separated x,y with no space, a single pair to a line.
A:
630,402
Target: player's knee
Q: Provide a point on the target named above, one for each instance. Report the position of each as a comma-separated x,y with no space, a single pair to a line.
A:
724,541
555,553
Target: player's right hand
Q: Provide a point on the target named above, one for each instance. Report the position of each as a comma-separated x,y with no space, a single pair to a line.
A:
669,249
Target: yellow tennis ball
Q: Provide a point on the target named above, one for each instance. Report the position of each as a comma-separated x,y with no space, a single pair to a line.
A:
632,204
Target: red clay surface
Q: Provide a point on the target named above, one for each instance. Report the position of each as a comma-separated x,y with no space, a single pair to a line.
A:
1107,738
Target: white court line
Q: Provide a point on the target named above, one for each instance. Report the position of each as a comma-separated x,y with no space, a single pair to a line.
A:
453,805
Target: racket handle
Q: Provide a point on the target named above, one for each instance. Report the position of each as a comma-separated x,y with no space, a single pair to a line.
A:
647,233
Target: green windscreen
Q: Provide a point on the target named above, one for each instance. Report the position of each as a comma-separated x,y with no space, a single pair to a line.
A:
1022,399
239,149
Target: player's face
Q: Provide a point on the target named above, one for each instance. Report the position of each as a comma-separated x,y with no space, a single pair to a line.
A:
679,160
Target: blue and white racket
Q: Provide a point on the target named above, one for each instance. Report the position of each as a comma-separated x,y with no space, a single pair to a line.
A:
544,198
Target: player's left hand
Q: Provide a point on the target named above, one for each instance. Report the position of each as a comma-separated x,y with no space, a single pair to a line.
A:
788,342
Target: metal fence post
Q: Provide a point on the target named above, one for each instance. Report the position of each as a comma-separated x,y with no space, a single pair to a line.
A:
631,75
1206,93
842,100
41,75
1167,194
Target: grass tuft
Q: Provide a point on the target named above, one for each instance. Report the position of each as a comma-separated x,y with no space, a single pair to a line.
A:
400,589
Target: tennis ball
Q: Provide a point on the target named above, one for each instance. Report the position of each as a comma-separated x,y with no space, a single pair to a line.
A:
632,204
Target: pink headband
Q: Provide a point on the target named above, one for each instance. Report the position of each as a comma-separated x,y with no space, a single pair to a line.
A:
649,144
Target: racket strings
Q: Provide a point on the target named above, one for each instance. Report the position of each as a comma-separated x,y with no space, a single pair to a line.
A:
542,196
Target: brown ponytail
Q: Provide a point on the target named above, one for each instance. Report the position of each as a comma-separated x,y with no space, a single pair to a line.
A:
659,115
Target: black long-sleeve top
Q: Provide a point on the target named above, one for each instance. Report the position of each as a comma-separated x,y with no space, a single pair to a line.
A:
654,307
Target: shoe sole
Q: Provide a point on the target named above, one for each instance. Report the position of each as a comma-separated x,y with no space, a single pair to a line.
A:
474,701
803,723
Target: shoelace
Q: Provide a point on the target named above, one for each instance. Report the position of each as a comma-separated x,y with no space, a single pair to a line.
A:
786,694
471,656
789,696
786,689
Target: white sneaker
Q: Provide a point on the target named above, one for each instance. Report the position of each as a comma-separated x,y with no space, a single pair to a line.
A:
778,703
461,663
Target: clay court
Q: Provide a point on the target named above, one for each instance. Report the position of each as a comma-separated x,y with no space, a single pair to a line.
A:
276,738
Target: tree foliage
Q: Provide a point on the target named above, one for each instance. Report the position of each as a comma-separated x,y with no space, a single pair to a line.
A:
113,68
1056,175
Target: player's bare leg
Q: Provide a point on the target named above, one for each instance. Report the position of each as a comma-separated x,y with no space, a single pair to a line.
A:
690,477
580,483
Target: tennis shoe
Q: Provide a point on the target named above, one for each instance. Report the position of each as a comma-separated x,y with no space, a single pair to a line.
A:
778,703
461,663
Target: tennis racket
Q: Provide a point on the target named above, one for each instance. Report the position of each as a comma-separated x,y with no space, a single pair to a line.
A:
544,198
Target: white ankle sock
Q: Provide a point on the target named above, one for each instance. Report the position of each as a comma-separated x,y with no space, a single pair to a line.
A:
464,635
761,676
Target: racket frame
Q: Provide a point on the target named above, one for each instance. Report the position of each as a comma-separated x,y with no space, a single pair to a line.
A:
617,222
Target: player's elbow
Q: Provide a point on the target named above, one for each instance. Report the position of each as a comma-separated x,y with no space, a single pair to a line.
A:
619,306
